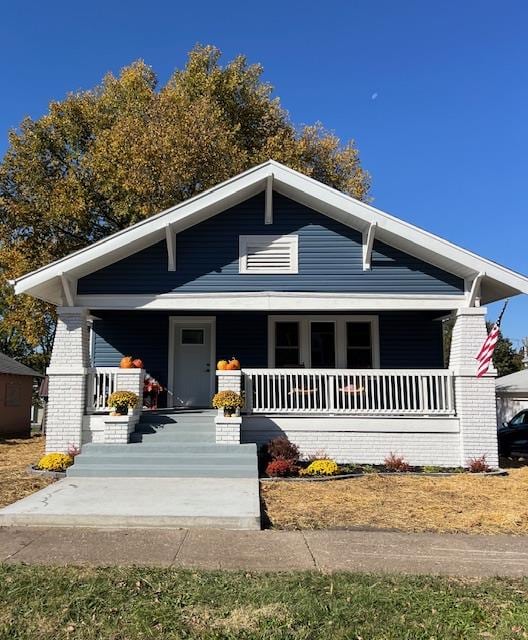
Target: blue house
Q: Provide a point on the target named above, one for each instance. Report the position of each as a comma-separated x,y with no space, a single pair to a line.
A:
333,308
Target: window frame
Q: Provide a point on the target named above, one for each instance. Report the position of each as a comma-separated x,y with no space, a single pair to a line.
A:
340,336
243,241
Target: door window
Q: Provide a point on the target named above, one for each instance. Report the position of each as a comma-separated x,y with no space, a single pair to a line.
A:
192,336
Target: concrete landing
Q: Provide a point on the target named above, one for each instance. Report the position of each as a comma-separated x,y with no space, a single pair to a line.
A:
226,503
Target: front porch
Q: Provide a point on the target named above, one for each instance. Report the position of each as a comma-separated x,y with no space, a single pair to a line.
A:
351,413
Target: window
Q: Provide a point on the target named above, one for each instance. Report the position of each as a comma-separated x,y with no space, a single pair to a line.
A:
287,345
12,394
520,420
192,336
358,345
268,254
322,343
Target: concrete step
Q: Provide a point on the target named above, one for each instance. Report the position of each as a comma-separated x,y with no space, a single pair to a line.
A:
139,460
155,471
182,438
168,447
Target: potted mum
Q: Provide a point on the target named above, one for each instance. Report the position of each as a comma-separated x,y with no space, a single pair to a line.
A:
122,401
229,401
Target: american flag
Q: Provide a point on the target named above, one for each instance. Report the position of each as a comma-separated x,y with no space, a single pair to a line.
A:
485,354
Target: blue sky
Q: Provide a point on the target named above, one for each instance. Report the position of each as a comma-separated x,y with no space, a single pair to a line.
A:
434,93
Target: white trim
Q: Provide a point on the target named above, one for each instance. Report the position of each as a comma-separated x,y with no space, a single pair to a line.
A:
268,212
340,321
368,242
292,242
500,281
174,321
170,239
274,301
371,424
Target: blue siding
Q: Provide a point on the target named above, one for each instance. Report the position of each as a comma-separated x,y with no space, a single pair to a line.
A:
407,339
330,259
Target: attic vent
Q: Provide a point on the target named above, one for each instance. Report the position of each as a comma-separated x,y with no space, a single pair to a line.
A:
268,254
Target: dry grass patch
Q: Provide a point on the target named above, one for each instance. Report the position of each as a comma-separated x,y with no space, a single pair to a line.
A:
246,618
15,455
461,503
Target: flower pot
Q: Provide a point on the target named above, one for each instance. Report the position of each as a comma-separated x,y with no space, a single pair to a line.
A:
228,412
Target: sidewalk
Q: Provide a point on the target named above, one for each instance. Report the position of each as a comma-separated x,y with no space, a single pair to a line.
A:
325,551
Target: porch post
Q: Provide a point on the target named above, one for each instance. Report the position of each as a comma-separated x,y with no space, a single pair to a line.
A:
67,379
474,397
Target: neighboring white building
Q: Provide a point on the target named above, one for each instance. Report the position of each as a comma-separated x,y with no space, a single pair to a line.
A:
512,395
334,309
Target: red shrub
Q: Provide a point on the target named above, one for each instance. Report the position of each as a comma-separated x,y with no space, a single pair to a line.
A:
396,463
282,448
280,467
478,465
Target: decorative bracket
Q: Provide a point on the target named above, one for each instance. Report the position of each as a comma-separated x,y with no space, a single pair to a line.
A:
68,289
268,212
474,292
368,241
170,238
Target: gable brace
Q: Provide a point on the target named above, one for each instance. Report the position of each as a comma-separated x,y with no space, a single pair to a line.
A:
368,241
67,288
170,237
474,293
268,212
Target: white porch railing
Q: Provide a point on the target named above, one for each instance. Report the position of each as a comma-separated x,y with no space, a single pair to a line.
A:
102,381
389,392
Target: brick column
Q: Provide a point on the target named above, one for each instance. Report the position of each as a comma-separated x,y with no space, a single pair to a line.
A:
474,397
132,380
67,380
229,380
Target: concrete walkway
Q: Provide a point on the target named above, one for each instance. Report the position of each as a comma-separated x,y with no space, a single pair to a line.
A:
325,551
230,503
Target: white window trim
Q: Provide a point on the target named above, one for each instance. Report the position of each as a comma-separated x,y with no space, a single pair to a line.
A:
242,253
340,321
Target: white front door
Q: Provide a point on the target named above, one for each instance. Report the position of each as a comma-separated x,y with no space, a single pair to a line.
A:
192,364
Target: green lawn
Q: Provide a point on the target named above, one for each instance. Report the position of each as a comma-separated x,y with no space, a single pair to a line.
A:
40,602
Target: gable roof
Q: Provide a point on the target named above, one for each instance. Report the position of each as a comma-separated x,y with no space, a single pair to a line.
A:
496,281
8,365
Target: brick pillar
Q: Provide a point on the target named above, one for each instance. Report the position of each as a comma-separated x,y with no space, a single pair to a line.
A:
67,379
474,397
132,380
229,380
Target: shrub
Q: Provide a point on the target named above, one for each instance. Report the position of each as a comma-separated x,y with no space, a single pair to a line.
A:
396,463
323,467
478,465
280,468
122,400
281,447
431,468
55,462
227,400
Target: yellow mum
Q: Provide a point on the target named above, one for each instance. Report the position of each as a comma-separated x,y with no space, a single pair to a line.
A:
55,462
321,468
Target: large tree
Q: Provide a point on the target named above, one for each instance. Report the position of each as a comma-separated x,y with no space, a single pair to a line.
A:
103,159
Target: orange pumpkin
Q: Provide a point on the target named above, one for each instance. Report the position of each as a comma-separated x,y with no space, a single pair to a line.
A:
233,364
138,363
126,363
221,365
